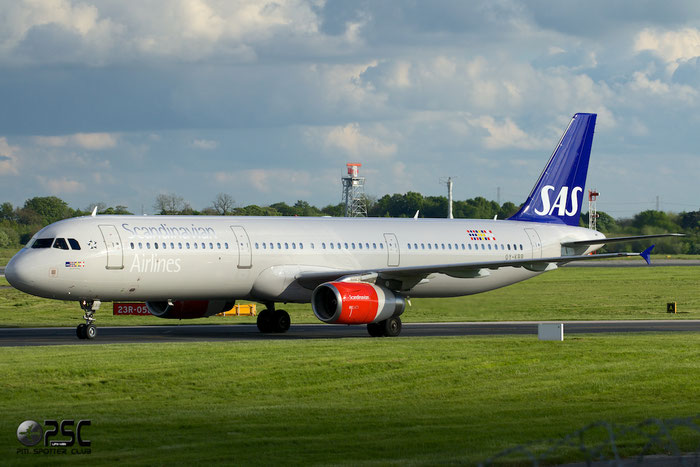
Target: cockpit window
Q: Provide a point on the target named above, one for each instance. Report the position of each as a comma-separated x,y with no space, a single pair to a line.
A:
74,244
42,243
61,244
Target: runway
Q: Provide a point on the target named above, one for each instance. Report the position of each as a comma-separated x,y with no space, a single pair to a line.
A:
633,263
12,337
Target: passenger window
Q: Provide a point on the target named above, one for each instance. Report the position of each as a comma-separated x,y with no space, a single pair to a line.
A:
165,247
76,246
218,245
430,247
442,245
301,245
132,245
61,244
489,246
367,245
155,245
360,245
483,247
323,245
257,247
194,244
415,246
179,245
353,245
521,246
286,246
263,244
331,246
272,246
381,246
422,246
409,246
374,245
187,245
509,246
470,246
211,246
42,243
204,246
279,246
346,245
463,246
140,245
172,246
226,245
339,245
294,246
449,246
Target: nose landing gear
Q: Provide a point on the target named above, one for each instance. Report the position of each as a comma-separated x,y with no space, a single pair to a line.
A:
88,330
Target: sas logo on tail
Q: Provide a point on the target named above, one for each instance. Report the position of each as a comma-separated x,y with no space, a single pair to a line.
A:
560,203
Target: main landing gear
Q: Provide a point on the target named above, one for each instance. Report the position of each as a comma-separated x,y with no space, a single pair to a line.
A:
88,330
388,328
271,320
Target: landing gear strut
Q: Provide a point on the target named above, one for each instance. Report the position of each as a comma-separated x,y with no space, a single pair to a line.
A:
271,320
388,328
88,330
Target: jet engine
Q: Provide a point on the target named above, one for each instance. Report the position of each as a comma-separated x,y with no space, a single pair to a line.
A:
188,309
355,303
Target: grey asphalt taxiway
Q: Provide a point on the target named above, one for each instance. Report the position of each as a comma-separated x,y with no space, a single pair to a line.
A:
10,337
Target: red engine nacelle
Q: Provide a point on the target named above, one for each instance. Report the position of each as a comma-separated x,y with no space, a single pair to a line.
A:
188,309
355,303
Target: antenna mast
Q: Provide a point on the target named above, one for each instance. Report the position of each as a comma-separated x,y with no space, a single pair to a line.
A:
354,192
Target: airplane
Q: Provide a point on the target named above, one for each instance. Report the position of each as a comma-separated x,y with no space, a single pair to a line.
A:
359,271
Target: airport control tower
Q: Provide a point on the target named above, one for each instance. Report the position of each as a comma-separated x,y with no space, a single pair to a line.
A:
354,192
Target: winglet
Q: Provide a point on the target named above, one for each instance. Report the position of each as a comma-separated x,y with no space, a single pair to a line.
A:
94,211
646,253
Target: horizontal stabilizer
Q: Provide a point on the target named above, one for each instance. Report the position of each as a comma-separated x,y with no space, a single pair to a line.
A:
603,241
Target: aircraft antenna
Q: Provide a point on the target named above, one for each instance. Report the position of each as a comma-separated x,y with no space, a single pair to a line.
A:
354,200
592,211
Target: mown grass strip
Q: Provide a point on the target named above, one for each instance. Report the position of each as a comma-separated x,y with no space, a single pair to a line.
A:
349,401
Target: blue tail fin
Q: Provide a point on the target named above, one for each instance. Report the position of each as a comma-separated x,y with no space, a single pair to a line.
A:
558,194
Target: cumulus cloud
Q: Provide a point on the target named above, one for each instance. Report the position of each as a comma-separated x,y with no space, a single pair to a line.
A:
90,141
61,186
671,46
8,158
506,134
206,144
351,139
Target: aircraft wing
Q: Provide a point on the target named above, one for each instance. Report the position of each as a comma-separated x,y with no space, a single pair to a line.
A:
603,241
406,277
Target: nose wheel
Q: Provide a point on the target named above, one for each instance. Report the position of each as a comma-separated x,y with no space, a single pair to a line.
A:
88,330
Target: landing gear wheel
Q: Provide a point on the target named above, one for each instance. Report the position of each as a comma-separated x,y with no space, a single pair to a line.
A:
375,329
391,327
80,331
90,331
265,321
280,321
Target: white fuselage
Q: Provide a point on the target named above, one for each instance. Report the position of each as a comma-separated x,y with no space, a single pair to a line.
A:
124,258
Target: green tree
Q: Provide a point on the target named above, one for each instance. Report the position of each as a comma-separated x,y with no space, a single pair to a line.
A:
49,208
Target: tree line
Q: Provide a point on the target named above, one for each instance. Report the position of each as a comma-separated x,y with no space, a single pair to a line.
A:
19,224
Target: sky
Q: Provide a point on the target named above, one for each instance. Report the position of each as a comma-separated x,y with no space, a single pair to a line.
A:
118,102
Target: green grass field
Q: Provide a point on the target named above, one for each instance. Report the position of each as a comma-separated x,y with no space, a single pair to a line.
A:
348,401
564,294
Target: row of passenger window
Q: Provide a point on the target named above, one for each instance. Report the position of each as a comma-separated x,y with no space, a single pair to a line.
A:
448,246
178,246
324,246
373,246
59,243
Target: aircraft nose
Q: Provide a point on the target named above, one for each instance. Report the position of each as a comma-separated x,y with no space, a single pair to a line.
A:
19,273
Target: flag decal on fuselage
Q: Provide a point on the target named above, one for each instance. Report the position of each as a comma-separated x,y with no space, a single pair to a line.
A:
481,235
